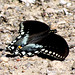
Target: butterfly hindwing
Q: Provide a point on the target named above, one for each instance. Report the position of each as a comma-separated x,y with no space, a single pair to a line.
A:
54,46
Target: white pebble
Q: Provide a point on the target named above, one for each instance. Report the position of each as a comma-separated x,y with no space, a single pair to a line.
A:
28,1
68,4
62,2
5,59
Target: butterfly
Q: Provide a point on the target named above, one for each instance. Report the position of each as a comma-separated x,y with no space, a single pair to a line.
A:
37,38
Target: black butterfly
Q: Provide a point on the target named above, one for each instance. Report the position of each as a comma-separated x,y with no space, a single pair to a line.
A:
37,38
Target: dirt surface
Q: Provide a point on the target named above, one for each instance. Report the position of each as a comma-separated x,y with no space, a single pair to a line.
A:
59,15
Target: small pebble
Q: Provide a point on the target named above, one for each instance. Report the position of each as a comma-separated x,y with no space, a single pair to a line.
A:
6,65
5,59
0,68
68,4
23,71
28,2
66,12
50,10
18,60
62,2
62,22
73,66
0,60
15,67
11,71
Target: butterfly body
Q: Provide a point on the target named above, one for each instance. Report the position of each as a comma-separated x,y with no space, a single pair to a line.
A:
37,38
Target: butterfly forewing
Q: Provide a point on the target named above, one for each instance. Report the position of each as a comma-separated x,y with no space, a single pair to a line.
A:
33,27
30,32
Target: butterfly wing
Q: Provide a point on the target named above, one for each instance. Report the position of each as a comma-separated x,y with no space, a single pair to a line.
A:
28,30
33,27
55,46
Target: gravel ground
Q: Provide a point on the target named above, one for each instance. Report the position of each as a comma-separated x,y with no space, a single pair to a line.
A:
60,15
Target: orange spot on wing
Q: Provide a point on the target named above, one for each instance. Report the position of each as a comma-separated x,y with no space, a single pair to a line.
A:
19,47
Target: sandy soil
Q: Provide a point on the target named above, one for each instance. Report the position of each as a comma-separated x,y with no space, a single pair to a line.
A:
60,16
